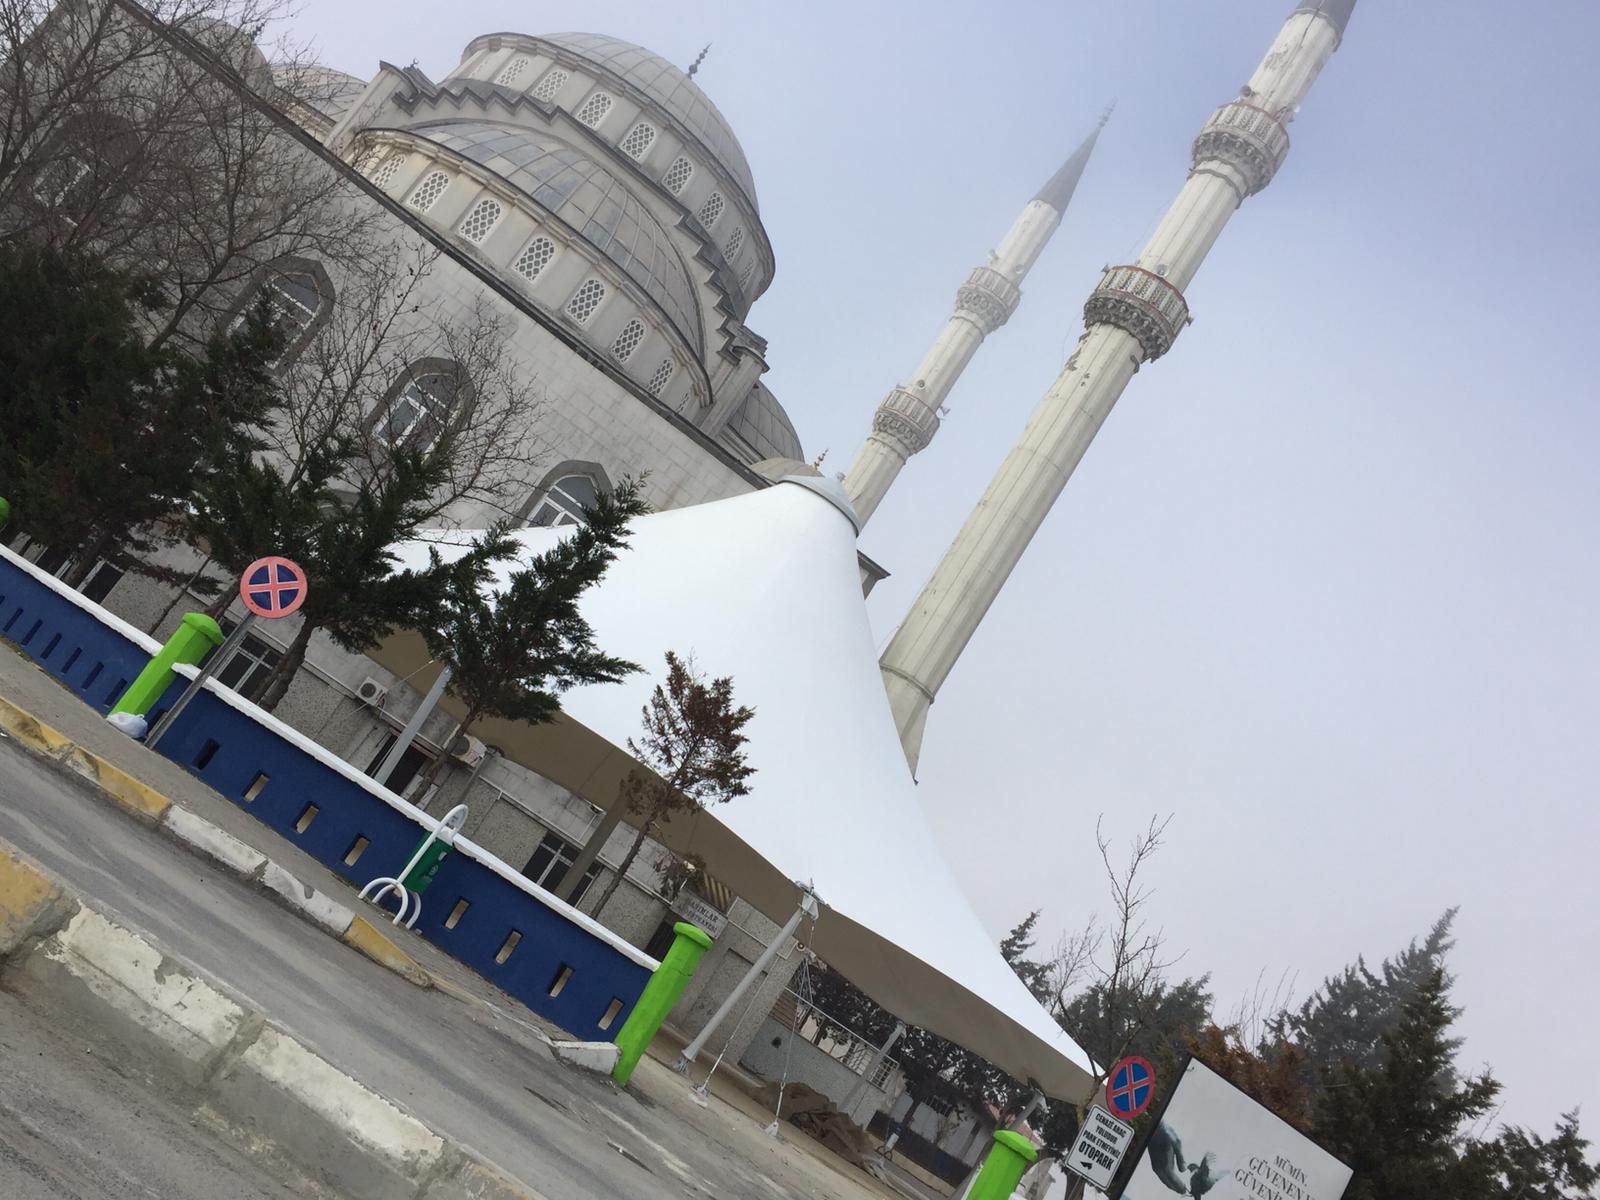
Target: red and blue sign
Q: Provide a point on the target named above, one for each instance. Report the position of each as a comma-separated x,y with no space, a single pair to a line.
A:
1130,1087
273,587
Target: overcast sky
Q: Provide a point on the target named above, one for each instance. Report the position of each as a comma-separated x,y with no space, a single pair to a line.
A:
1325,588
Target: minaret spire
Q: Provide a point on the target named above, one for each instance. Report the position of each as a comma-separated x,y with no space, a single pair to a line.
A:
1132,317
699,58
909,417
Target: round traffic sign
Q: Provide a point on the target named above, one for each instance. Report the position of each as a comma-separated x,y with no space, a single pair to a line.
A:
1130,1087
273,587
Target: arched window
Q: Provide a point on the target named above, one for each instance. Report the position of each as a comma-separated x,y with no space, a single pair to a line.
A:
512,72
678,175
480,219
710,210
662,377
421,406
429,190
628,340
562,501
383,174
745,272
638,140
86,166
585,300
298,295
735,242
535,257
553,81
594,109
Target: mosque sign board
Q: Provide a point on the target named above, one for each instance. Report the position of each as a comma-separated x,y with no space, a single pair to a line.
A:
699,911
1210,1139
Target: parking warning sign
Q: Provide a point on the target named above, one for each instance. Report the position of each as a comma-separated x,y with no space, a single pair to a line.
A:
1102,1141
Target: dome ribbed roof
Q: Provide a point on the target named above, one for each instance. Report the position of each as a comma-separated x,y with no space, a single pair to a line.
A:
589,199
761,427
670,88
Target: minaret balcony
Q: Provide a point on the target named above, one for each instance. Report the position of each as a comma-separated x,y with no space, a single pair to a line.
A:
1139,303
1247,138
907,419
987,299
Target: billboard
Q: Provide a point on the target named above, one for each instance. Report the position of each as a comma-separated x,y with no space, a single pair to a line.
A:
1212,1140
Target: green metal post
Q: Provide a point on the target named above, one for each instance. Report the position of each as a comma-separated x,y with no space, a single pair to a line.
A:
658,997
5,512
1011,1155
194,638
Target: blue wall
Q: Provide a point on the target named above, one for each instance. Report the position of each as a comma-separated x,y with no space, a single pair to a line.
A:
232,751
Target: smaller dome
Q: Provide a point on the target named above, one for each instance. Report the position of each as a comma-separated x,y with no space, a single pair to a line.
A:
759,429
328,91
589,199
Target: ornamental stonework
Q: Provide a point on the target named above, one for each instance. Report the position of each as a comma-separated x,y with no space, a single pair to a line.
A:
1140,303
1251,140
987,299
907,420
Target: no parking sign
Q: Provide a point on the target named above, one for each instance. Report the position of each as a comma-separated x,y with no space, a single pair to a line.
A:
273,587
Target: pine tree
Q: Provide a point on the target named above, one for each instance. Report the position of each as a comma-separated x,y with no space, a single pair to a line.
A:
1401,1125
1014,949
514,649
691,752
1532,1168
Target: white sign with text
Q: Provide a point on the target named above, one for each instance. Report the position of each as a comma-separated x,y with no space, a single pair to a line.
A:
1102,1141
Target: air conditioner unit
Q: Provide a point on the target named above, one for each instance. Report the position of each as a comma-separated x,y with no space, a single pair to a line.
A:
468,750
371,692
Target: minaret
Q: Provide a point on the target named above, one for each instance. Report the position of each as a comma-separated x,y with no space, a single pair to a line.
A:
909,417
1132,317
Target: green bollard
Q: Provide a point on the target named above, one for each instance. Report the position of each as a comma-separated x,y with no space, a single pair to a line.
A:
658,997
1012,1155
5,512
196,637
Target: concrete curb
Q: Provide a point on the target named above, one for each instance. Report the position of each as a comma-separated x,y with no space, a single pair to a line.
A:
275,1098
201,837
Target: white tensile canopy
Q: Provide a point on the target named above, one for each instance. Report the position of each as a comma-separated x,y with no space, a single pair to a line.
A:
765,587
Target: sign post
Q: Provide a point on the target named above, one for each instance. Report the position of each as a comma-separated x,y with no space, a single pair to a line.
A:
1101,1143
270,587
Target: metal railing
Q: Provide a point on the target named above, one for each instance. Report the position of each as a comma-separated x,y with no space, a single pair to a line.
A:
846,1046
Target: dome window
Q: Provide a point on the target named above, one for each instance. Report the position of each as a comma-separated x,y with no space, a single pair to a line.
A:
585,300
480,220
662,377
429,190
711,210
638,140
628,340
513,71
565,500
594,109
385,172
735,243
745,272
535,257
553,81
678,175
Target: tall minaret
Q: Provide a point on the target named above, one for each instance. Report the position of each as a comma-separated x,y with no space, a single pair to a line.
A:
1132,317
909,417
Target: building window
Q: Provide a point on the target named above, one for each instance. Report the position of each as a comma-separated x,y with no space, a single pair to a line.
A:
535,257
662,377
246,672
476,224
564,500
512,72
735,243
710,210
385,171
554,80
594,109
429,190
678,175
745,273
551,862
294,299
420,408
628,340
585,300
638,140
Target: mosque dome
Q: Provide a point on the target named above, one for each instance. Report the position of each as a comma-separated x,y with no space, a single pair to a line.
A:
669,89
760,430
589,199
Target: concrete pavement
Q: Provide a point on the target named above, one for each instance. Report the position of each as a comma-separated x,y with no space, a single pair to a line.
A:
477,1072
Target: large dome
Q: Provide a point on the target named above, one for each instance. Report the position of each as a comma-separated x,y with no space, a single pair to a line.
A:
671,89
589,199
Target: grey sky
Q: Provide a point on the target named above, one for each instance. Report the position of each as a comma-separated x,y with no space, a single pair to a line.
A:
1325,587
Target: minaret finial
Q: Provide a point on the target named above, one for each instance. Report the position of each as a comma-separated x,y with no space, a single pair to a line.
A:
1106,116
1057,193
699,58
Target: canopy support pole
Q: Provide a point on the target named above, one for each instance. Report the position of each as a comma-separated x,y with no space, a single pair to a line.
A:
609,820
403,741
850,1101
808,908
